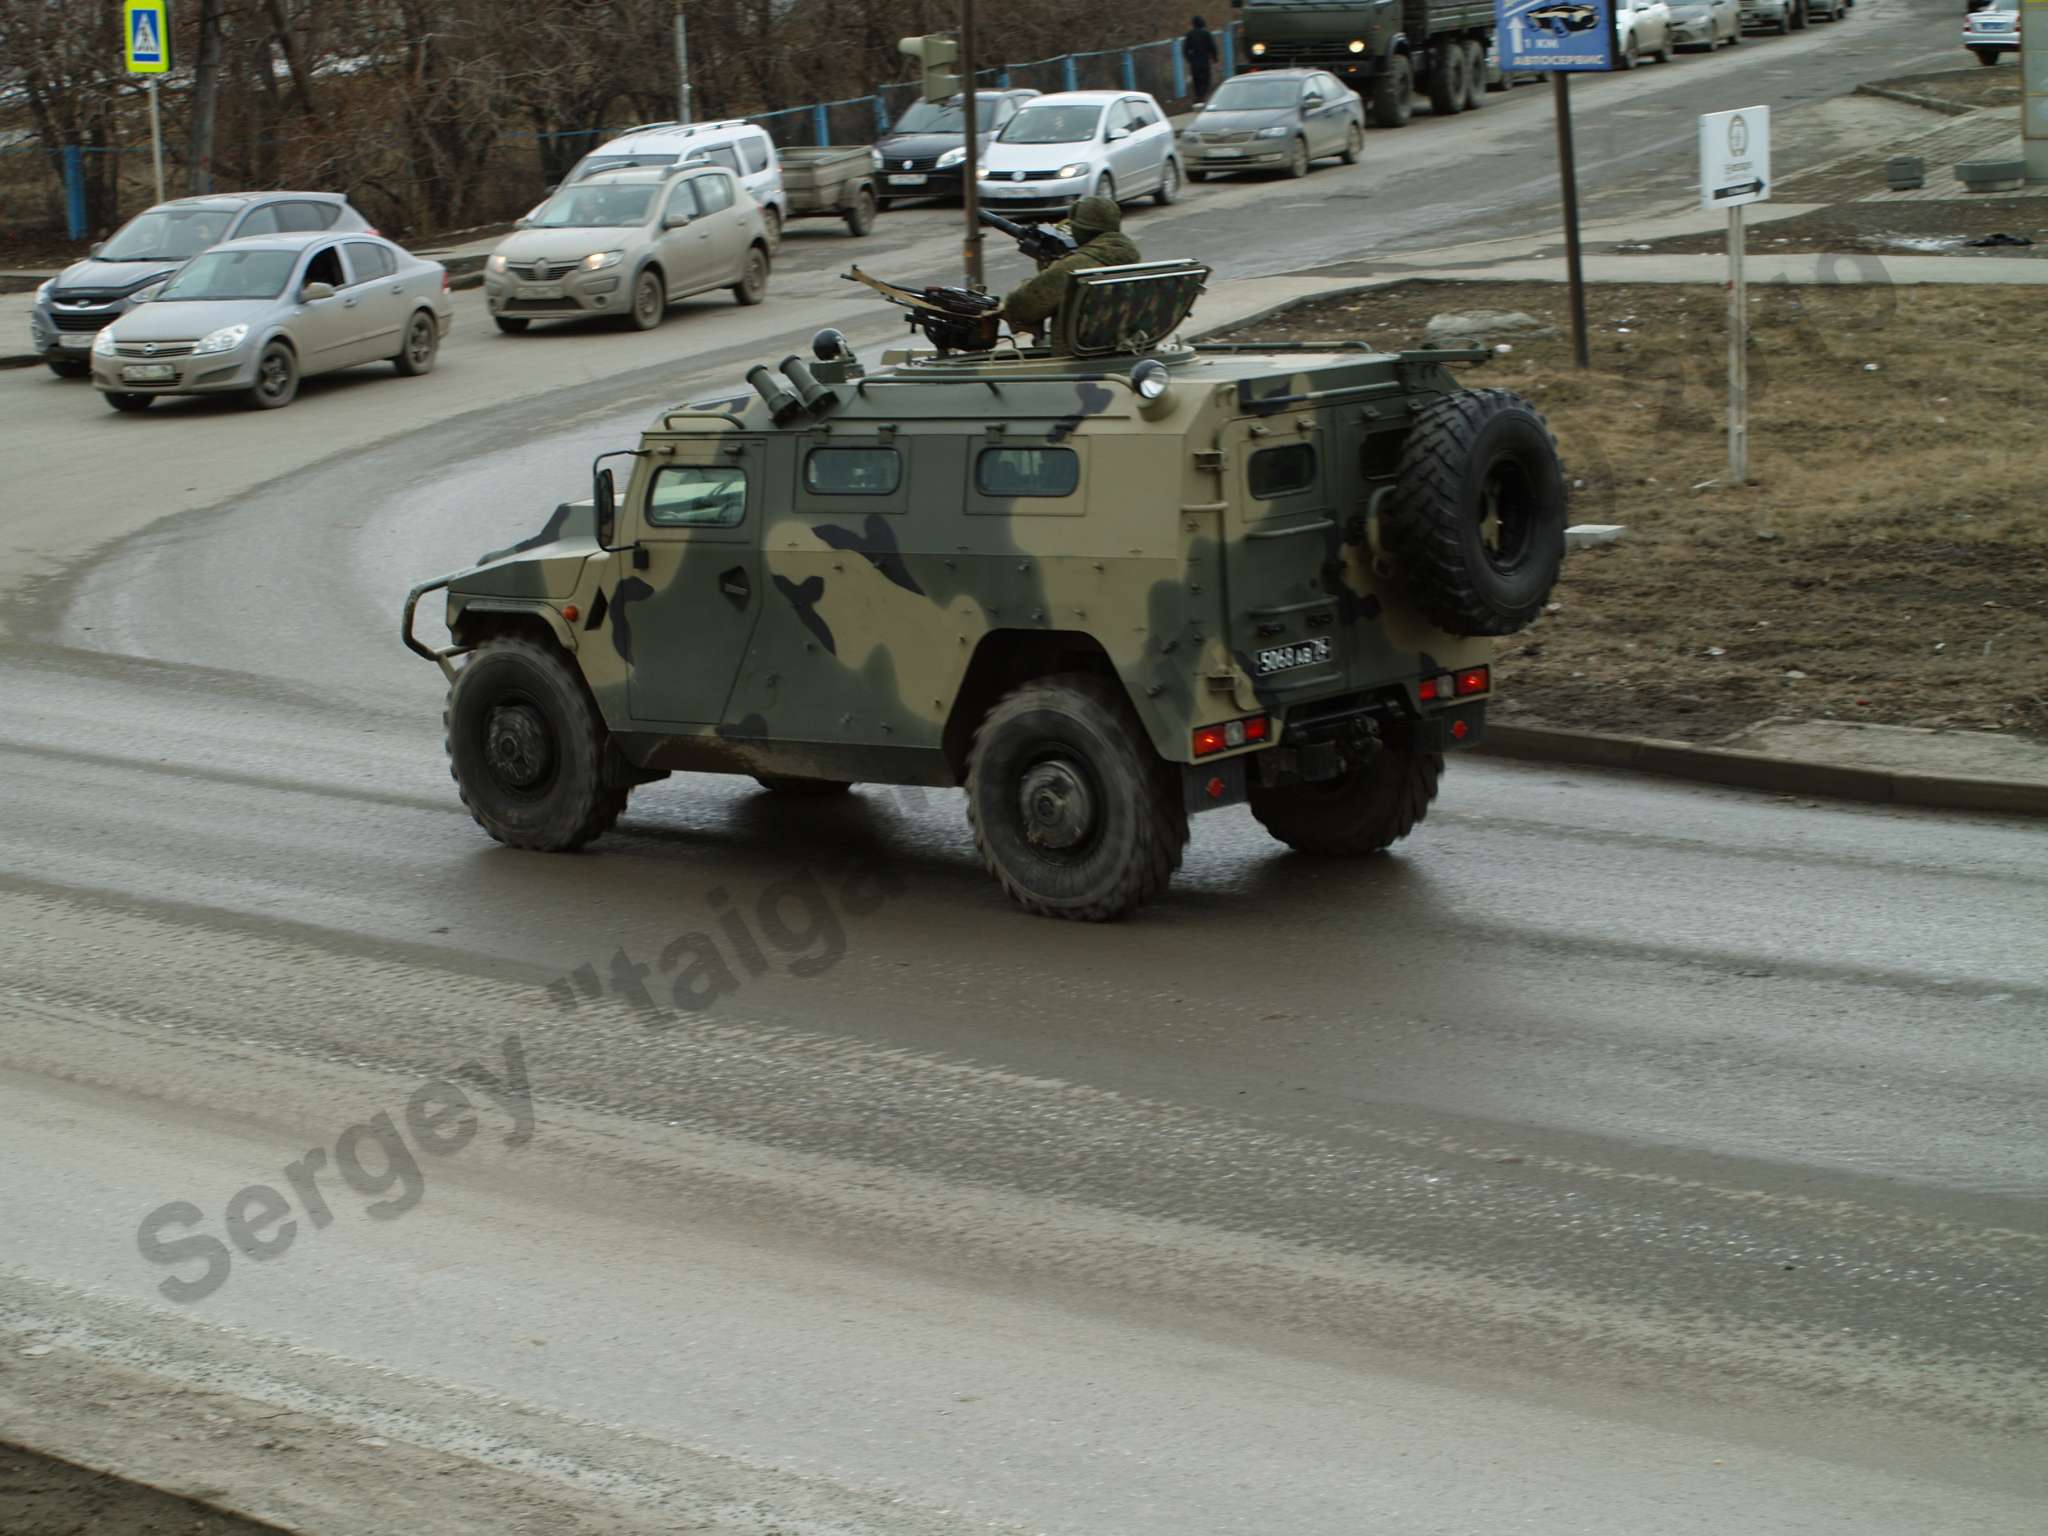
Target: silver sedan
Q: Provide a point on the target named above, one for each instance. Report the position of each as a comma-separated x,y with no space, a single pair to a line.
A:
255,316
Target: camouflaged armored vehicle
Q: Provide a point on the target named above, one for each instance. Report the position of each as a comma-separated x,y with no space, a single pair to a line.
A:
1099,584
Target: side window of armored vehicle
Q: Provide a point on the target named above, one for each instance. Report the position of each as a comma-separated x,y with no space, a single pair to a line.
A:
697,496
1283,471
852,471
1027,472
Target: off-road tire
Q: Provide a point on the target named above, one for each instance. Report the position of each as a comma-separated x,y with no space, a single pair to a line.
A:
753,284
1169,184
69,367
1447,81
802,788
860,218
277,379
572,802
1354,144
511,325
421,346
1475,76
123,400
1474,457
1078,726
1297,159
649,305
1365,810
1393,93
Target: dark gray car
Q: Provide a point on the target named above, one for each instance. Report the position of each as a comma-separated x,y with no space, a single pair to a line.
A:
70,309
1274,120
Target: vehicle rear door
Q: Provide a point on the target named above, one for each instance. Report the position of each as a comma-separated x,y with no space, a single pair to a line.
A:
381,311
687,597
1282,534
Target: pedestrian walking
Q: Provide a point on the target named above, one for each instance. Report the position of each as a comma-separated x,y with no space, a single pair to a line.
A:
1199,49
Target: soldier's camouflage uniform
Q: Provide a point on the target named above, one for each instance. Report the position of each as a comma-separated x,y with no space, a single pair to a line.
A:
1098,224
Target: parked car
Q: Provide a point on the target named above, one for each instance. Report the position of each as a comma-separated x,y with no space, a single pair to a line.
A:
832,181
119,272
741,147
1706,24
1276,119
630,243
256,315
1065,146
1780,16
925,150
1827,10
1642,28
1992,32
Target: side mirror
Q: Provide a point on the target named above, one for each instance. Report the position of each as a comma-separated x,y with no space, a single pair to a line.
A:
675,221
1311,102
96,247
1118,133
522,222
314,291
605,493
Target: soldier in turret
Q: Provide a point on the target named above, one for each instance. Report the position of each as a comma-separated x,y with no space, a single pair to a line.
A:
1097,225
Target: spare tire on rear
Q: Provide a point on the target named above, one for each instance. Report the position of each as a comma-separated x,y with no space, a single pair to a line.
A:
1477,515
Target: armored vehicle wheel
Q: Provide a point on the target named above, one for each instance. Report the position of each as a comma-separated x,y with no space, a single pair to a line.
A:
1072,812
1475,76
511,325
753,284
69,368
1354,144
860,218
1447,80
277,378
422,345
1393,94
1477,516
127,402
809,789
526,746
1362,811
650,301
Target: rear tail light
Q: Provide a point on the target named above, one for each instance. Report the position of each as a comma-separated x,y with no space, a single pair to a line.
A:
1250,731
1474,680
1436,690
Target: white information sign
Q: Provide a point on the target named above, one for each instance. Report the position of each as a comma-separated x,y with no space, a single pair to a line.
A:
1735,157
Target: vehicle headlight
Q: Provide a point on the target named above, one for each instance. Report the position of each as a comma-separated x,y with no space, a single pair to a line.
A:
226,339
875,155
952,157
1258,49
981,173
497,263
1076,169
1277,131
597,261
1356,45
103,344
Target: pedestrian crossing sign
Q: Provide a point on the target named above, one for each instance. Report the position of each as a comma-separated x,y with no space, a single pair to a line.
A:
145,32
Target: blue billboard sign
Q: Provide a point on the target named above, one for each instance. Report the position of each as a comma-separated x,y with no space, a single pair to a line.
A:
1554,36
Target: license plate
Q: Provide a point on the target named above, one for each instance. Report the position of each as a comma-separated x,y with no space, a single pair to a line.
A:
149,373
906,181
1225,154
540,290
72,339
1284,658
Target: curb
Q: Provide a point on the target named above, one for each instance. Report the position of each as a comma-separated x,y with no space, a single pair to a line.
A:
1757,770
21,360
1913,99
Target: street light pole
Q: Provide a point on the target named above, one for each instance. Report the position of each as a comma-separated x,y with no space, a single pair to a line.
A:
682,68
970,184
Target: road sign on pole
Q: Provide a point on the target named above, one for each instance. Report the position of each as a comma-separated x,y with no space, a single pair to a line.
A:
146,42
1735,170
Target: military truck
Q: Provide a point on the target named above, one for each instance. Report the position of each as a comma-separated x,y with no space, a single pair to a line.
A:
1101,584
1384,51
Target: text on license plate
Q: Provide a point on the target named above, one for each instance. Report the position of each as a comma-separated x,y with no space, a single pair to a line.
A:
540,290
906,181
73,339
1225,154
148,373
1284,658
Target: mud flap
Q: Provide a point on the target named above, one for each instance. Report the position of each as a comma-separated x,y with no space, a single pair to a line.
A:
1211,786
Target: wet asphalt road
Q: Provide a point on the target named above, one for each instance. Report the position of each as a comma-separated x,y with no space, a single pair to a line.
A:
1617,1157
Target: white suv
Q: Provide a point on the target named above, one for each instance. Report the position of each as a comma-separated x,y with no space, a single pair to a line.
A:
1058,148
741,147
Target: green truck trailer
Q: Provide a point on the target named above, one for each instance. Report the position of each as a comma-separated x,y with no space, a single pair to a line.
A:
1386,49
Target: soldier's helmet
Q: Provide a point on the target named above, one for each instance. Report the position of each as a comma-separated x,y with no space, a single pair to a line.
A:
1094,216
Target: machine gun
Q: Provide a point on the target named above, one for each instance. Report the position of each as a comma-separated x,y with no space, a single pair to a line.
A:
1038,241
953,319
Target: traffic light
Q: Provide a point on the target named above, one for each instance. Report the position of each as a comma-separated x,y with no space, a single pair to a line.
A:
938,54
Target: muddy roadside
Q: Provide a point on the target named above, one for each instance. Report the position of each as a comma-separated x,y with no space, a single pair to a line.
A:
1887,562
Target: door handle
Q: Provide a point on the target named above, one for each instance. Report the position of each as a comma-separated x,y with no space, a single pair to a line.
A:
735,585
348,303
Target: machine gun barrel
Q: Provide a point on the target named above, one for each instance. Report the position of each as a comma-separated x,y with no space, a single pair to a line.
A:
1034,240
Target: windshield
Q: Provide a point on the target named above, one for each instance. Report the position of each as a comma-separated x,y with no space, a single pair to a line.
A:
931,117
594,208
1051,125
166,234
1254,95
233,275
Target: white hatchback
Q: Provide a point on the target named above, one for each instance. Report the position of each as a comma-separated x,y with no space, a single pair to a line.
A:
741,147
1058,148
